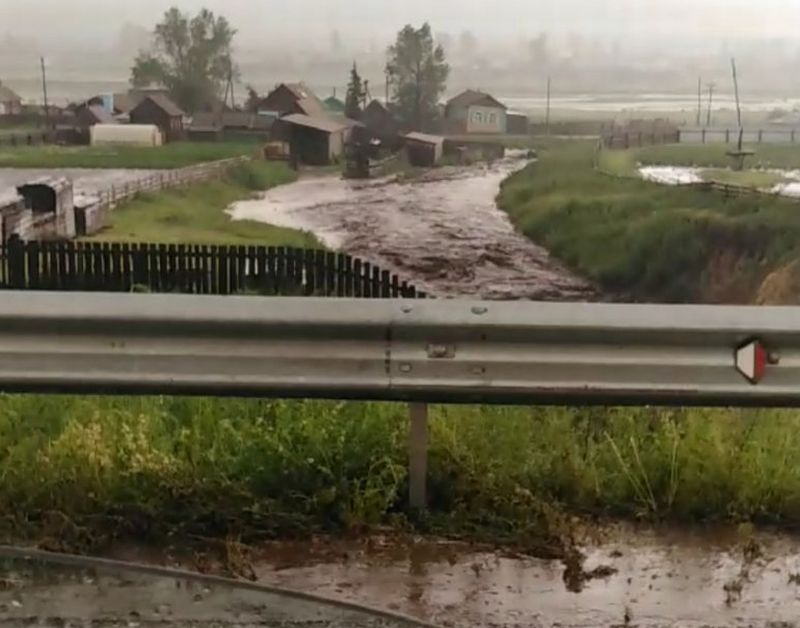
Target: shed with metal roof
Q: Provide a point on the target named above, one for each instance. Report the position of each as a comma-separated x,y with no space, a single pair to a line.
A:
314,140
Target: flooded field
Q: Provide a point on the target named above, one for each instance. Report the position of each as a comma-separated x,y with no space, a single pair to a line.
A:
681,175
442,231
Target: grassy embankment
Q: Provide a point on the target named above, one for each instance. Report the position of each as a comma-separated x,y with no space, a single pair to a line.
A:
650,241
196,214
174,155
78,473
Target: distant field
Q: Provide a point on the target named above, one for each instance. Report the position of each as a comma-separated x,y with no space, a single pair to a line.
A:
176,155
196,214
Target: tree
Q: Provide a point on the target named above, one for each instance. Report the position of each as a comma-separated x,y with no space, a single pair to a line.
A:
253,100
191,56
418,72
356,95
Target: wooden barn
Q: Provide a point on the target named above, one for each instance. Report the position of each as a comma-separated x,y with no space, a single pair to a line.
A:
160,111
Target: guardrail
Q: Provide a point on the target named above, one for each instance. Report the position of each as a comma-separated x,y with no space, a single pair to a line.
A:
401,350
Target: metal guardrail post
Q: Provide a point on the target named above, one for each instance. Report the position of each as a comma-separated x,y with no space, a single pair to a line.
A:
418,456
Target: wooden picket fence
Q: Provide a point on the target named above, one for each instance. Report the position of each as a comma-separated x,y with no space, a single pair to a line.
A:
194,269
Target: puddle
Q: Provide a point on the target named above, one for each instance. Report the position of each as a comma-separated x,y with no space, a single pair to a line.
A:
671,175
442,231
642,578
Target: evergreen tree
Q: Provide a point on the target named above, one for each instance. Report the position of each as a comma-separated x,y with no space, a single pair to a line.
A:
356,94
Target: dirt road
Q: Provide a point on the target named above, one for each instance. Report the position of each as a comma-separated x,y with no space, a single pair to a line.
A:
442,231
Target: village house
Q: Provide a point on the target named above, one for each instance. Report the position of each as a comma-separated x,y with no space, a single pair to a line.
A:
474,112
160,111
88,115
333,104
10,102
289,98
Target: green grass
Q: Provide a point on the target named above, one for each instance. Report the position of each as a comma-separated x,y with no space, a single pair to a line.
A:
81,471
649,241
196,214
175,155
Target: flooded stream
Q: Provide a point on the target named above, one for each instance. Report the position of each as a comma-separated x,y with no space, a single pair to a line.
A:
442,231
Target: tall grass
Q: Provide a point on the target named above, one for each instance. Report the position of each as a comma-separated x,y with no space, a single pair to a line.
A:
647,240
86,470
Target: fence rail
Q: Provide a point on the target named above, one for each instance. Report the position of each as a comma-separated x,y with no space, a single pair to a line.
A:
193,269
731,136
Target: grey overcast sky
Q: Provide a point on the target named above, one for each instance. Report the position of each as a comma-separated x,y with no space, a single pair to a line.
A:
258,20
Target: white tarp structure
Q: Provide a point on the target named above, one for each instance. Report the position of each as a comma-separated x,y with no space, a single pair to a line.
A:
128,134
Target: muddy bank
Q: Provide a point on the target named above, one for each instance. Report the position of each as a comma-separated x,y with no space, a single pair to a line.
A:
642,578
442,231
630,576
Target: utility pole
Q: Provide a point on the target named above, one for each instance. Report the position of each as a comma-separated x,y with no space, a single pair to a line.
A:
388,81
711,87
699,100
44,90
738,103
547,111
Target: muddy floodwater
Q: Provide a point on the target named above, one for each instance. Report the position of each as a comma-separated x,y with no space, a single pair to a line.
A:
442,231
643,578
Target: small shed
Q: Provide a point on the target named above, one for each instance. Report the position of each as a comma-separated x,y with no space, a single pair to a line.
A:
52,203
158,110
516,123
423,150
125,134
314,141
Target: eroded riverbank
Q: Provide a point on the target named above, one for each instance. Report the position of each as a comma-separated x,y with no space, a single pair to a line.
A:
443,231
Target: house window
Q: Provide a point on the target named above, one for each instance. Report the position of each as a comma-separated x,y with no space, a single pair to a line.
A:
477,117
492,118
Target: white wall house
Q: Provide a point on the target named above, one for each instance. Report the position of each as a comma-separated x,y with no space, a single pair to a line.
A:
473,112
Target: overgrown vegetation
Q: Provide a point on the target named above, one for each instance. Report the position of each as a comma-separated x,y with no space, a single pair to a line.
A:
80,471
174,155
650,241
196,214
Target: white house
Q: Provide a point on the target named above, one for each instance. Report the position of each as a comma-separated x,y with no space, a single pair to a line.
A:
475,112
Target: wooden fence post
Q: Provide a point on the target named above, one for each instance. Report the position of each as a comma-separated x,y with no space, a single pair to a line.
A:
703,135
16,262
760,136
